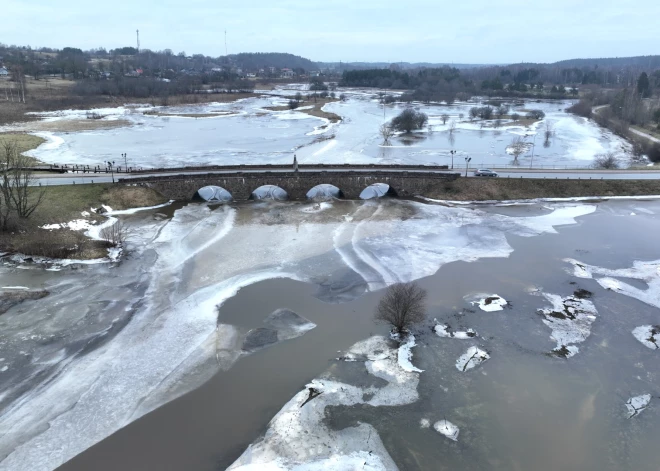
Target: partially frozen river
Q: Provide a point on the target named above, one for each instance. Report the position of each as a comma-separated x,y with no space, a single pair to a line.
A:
133,366
244,132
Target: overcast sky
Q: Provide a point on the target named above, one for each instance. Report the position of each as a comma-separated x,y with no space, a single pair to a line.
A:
467,31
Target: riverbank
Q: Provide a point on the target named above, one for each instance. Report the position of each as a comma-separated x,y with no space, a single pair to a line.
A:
57,227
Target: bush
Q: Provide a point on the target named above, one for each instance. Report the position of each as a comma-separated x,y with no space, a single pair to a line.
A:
402,306
535,114
293,104
409,120
581,108
606,161
115,234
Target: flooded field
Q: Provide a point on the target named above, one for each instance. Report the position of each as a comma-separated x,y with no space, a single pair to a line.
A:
245,132
197,351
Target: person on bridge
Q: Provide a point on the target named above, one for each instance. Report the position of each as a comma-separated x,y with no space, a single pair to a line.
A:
295,163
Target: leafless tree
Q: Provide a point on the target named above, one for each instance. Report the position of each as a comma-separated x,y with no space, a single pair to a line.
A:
548,132
16,184
402,306
607,161
444,118
461,115
386,132
452,126
115,234
517,147
515,116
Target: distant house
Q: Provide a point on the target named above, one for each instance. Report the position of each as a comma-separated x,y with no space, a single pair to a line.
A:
288,73
315,73
3,72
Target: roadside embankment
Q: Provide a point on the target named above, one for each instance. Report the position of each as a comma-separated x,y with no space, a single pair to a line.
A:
477,189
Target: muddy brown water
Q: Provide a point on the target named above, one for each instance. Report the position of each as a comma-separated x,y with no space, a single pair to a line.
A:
522,409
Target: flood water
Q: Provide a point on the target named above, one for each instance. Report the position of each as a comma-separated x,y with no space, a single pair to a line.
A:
245,132
136,352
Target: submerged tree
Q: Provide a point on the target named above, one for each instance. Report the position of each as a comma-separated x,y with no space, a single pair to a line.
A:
517,147
409,120
402,306
386,132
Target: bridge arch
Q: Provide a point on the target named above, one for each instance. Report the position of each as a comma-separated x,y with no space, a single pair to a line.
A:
324,191
377,190
269,192
213,194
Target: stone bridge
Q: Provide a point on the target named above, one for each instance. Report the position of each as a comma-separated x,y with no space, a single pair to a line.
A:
296,184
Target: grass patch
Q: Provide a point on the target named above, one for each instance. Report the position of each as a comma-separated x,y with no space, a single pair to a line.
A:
475,189
65,203
24,141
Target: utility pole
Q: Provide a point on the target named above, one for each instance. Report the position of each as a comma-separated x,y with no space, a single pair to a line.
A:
137,32
467,164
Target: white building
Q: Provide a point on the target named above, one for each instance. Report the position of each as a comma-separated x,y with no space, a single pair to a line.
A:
3,72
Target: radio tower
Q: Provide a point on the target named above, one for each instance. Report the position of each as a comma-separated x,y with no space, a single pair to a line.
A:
226,43
137,32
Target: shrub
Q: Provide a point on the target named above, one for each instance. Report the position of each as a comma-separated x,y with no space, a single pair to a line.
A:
606,161
293,104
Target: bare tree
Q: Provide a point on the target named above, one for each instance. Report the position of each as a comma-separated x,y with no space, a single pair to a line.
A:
402,306
452,126
16,180
115,234
548,132
607,161
517,147
444,118
386,132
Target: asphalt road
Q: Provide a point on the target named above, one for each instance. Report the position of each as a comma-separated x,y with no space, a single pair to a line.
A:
83,178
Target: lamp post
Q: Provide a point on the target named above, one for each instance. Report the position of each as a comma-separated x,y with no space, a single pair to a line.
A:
467,164
125,162
112,171
533,147
452,152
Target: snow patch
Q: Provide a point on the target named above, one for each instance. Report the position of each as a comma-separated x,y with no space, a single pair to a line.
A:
447,429
649,335
648,272
473,357
405,355
490,303
570,319
444,330
636,405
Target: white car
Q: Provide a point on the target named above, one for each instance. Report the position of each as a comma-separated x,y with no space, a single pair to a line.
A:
484,173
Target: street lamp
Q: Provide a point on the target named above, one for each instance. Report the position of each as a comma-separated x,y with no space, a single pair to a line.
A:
533,147
452,152
467,164
125,162
112,172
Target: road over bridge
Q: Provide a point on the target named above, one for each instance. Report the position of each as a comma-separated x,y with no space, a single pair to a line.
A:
350,181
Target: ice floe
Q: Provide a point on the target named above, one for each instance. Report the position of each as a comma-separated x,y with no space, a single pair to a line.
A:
636,405
473,357
490,303
281,325
444,330
649,335
405,355
648,272
447,429
570,319
298,437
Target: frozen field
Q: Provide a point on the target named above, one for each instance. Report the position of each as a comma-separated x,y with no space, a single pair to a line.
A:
245,132
138,354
